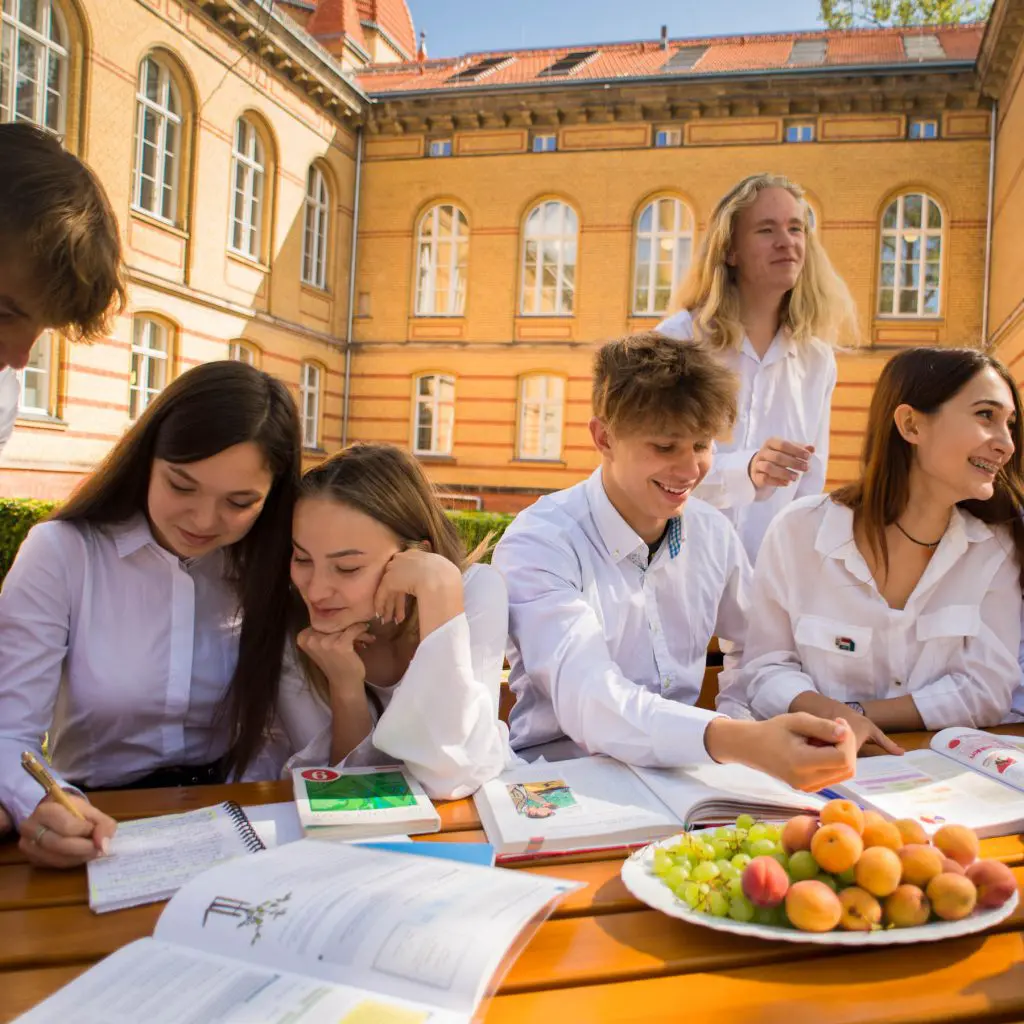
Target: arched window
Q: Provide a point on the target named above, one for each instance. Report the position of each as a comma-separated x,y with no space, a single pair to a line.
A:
664,246
316,229
541,401
441,254
151,347
433,424
910,265
33,63
309,404
242,352
549,260
248,189
158,141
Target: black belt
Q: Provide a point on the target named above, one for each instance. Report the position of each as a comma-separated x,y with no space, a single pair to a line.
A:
166,778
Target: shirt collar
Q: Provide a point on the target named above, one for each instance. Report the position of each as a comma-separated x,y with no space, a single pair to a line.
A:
835,539
620,539
782,347
131,535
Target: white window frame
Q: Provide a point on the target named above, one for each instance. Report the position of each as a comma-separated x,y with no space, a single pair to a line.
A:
242,352
666,138
438,406
544,142
310,385
166,114
440,147
50,51
150,363
801,131
248,188
429,245
550,444
316,229
681,235
566,237
924,123
899,235
43,370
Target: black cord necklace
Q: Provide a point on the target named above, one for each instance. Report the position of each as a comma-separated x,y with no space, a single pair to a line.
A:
921,543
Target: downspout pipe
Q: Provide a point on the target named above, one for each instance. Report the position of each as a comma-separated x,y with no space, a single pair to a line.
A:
351,288
989,217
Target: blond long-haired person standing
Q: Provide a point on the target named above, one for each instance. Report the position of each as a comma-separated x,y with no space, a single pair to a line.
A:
763,293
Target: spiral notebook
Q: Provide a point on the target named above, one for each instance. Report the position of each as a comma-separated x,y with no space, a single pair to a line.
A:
150,859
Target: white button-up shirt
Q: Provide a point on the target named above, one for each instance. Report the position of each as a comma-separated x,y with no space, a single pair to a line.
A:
441,718
818,621
787,394
117,648
606,649
10,395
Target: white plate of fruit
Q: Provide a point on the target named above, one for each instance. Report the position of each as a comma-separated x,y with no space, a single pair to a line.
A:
845,878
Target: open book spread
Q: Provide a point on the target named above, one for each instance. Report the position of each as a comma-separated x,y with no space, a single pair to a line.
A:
595,802
360,803
317,933
966,776
150,859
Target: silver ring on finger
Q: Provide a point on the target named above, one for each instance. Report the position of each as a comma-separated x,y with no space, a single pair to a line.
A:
40,832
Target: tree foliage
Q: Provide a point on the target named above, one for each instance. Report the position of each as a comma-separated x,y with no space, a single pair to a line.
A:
840,14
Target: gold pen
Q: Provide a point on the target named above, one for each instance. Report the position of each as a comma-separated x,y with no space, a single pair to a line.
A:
39,772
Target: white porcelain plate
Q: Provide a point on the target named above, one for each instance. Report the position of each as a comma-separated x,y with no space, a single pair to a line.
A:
648,888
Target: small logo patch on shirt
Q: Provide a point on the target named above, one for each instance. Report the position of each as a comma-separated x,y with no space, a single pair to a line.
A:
845,643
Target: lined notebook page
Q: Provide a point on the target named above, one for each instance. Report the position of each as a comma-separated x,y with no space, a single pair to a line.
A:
150,859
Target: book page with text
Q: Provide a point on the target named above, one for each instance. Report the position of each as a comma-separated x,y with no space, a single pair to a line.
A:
416,928
1001,757
160,983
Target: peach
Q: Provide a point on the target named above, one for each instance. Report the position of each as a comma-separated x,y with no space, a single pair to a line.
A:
958,842
845,811
879,871
881,833
765,882
952,896
813,907
798,833
836,847
861,911
950,866
994,881
907,907
912,830
920,864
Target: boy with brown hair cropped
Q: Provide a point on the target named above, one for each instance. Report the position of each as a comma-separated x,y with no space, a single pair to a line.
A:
616,586
60,254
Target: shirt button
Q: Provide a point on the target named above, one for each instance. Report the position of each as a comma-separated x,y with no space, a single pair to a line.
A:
897,683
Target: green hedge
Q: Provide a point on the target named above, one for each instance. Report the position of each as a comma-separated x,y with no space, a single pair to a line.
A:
18,516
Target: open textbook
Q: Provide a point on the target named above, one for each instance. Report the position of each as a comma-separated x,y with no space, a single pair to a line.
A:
596,802
965,776
317,933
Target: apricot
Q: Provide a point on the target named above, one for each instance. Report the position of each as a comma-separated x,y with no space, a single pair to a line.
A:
952,896
879,871
950,866
920,864
958,842
994,881
861,911
907,907
798,833
813,907
836,847
765,882
844,811
881,833
912,830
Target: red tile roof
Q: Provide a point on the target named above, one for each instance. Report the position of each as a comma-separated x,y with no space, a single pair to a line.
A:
333,19
724,54
394,18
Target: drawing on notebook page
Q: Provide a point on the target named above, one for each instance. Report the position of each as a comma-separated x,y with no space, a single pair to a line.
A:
541,799
252,915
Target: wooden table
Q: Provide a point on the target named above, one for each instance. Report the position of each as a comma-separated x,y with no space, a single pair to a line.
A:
602,957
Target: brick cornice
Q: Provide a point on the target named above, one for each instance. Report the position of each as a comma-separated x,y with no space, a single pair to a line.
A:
999,47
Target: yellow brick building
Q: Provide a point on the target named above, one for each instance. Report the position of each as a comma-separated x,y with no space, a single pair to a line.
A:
508,208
